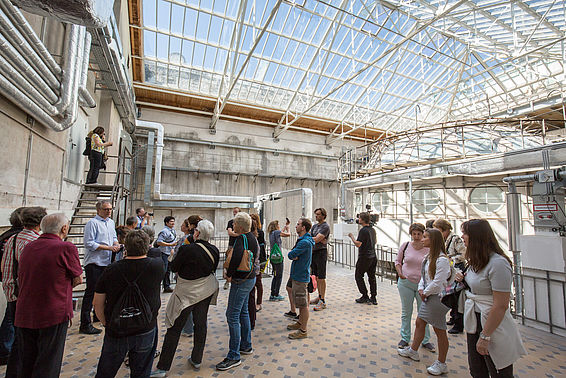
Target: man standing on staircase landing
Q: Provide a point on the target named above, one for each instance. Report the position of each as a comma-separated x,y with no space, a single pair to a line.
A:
100,241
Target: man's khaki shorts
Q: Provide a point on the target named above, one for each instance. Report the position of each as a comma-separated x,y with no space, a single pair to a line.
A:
299,292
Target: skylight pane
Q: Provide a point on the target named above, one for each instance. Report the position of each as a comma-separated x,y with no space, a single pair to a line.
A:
175,50
162,46
149,15
149,43
163,15
202,27
190,23
177,16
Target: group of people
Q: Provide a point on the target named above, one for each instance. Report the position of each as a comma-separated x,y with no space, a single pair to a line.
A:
39,271
439,270
110,269
469,276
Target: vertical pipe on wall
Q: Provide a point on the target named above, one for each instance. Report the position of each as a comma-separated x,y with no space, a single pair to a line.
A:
410,200
148,167
514,230
28,163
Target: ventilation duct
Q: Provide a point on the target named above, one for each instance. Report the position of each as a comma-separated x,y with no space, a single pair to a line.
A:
89,13
30,78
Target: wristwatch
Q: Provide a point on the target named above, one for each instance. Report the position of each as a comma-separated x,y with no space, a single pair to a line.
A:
484,337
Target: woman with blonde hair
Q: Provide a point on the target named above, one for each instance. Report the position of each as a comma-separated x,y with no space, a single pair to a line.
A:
435,273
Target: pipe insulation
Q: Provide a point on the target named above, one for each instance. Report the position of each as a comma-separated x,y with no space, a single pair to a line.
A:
73,35
21,23
83,91
90,13
158,128
27,71
18,80
27,52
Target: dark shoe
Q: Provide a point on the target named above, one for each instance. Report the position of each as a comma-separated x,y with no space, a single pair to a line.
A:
89,330
373,301
362,299
227,364
167,290
450,322
4,360
402,344
455,330
250,350
290,314
430,347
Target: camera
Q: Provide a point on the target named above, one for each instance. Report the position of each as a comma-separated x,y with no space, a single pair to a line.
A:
373,218
150,214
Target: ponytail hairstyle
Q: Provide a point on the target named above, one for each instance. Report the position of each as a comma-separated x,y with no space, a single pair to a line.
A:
437,247
481,243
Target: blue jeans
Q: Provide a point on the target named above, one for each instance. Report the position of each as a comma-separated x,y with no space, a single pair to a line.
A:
166,278
7,333
238,317
409,291
140,349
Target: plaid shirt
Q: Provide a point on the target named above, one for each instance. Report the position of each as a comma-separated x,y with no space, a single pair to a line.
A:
8,284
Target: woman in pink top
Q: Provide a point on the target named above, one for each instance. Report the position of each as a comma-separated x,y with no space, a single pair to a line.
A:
408,265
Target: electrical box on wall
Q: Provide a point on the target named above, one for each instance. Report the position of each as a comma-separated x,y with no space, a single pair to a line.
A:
548,204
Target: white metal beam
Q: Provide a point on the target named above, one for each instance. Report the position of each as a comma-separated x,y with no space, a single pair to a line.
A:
384,54
235,79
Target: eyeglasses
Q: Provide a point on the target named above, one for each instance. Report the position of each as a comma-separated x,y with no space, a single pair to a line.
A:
105,209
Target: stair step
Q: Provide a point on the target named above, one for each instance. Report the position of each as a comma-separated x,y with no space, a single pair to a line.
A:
83,216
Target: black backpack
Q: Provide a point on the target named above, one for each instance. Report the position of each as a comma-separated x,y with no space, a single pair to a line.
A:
88,147
132,313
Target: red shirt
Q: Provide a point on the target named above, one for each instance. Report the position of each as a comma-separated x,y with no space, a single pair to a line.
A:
45,271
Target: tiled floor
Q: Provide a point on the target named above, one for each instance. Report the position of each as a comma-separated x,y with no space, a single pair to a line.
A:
345,340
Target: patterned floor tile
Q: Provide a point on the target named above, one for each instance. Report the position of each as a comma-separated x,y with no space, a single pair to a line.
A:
345,340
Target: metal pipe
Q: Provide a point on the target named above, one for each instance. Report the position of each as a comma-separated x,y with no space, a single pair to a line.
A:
21,23
410,199
14,94
27,71
73,35
514,231
18,80
85,96
521,178
27,51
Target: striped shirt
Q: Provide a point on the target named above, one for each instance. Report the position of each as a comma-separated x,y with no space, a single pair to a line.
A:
23,238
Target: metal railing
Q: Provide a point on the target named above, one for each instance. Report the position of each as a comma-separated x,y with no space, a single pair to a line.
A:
544,304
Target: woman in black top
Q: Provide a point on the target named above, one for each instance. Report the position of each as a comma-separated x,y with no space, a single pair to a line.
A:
259,234
196,286
237,314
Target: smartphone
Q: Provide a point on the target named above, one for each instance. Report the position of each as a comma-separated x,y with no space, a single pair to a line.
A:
288,221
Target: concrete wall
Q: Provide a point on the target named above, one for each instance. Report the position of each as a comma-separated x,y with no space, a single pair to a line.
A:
41,167
238,171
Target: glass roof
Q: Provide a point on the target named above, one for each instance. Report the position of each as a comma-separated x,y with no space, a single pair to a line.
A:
390,65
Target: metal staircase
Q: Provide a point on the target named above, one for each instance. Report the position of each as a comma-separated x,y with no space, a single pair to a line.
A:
85,207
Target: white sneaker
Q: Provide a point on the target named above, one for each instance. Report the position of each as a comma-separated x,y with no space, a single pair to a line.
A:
409,353
437,368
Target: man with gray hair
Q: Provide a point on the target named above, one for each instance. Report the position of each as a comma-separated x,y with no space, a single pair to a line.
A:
100,241
49,268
